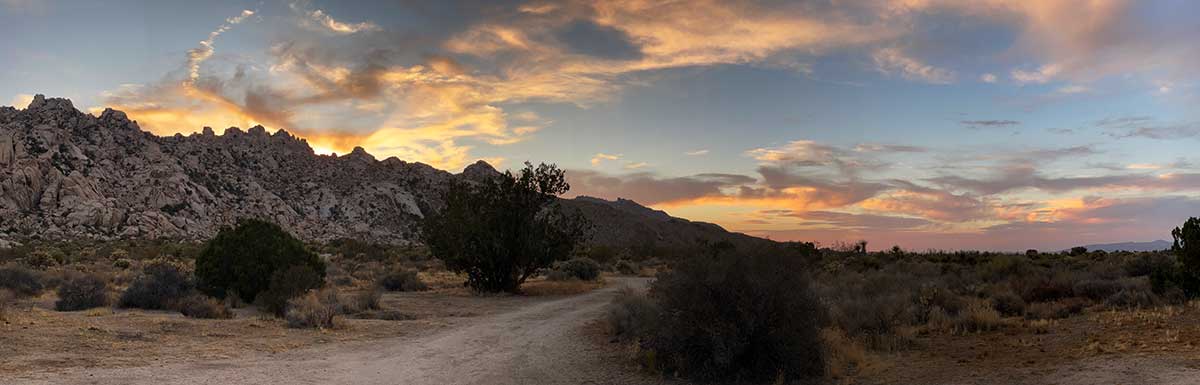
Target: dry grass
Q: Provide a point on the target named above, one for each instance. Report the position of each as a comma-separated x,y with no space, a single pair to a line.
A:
6,296
569,287
442,279
843,355
979,316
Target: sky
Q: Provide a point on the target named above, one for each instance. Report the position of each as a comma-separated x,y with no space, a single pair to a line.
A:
928,124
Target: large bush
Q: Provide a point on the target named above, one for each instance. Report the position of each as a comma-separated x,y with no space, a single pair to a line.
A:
747,318
502,230
242,259
1187,248
285,285
581,268
81,291
314,310
21,281
402,280
161,285
632,315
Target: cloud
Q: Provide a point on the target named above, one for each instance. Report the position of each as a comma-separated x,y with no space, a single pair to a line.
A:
989,123
21,100
696,153
322,21
848,221
648,188
601,157
635,166
988,78
1039,76
892,60
1072,89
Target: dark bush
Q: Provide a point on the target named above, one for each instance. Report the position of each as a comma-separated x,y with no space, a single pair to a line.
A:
1055,310
402,280
285,285
1049,289
21,281
160,285
625,267
632,315
739,317
1008,303
202,306
244,258
81,291
582,268
1132,297
502,230
1097,289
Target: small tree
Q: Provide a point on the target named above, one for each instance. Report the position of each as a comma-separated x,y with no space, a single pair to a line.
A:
244,258
1187,250
501,231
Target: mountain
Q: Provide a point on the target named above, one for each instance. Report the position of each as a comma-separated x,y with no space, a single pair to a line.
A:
67,174
1158,245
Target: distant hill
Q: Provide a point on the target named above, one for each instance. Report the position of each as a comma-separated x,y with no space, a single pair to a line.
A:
66,174
1132,246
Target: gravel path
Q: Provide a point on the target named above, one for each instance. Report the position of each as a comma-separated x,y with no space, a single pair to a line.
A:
542,344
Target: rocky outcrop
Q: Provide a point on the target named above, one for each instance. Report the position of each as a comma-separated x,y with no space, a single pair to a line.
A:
67,174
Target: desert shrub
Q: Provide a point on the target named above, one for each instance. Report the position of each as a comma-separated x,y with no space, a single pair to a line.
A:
6,297
843,355
625,267
1055,287
386,315
632,315
1134,293
1008,303
160,285
202,306
364,300
581,268
285,285
1140,264
123,263
979,315
41,259
81,291
1055,310
245,258
502,230
402,280
1097,289
20,281
1004,266
314,310
749,318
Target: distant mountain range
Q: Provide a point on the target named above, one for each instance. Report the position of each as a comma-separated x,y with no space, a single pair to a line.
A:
1132,246
67,174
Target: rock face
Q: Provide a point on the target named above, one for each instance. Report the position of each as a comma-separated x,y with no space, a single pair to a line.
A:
67,174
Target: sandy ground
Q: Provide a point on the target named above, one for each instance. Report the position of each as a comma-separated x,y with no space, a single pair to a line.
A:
542,342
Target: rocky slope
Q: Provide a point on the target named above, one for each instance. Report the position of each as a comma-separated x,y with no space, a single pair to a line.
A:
67,174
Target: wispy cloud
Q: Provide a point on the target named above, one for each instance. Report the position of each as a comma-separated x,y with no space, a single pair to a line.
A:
696,153
601,157
892,60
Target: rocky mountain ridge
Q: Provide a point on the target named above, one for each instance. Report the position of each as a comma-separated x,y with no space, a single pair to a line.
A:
67,174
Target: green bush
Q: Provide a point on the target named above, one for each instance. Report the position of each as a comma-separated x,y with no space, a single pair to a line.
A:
402,280
244,258
123,263
21,281
202,306
738,317
81,291
500,231
286,285
160,286
581,268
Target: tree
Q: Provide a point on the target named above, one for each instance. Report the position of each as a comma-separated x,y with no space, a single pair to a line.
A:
243,259
1187,250
502,230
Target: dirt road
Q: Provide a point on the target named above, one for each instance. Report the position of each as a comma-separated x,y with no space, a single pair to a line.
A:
542,344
